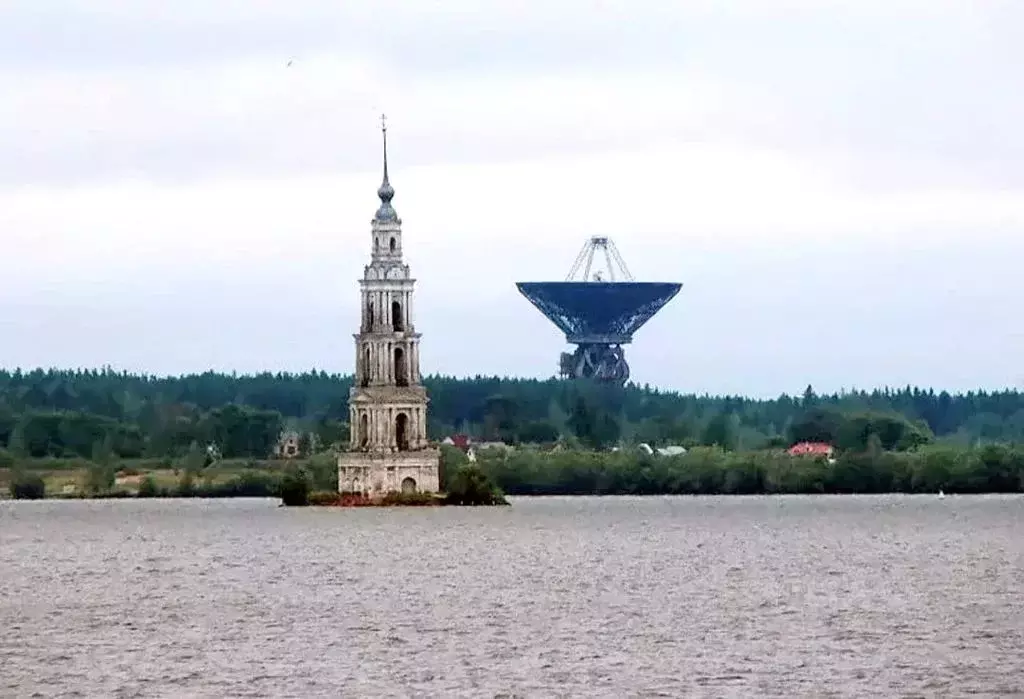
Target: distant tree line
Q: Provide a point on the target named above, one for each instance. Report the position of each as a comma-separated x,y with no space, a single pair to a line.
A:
100,415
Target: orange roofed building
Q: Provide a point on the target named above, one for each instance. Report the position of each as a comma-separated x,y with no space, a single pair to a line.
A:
811,449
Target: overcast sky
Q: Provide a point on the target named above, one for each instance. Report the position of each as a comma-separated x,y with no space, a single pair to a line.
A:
838,185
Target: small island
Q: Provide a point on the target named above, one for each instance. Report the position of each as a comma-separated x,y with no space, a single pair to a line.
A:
468,486
462,484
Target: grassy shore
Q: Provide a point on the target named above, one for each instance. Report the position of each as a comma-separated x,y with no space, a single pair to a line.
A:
701,471
77,478
994,468
298,482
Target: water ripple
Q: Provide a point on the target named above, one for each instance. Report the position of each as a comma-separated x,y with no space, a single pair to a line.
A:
617,597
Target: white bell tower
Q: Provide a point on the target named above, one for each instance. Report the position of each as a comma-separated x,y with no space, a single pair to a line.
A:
388,450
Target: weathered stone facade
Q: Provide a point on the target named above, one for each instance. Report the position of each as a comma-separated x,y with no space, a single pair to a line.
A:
388,450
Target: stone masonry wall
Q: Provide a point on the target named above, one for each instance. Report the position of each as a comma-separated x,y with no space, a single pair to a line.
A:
377,474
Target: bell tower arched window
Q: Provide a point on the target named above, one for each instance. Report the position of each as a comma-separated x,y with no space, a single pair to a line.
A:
397,319
402,432
364,431
401,368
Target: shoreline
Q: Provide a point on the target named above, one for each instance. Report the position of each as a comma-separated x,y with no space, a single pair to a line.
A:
379,503
388,500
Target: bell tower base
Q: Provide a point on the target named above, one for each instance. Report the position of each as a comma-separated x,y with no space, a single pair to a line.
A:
376,475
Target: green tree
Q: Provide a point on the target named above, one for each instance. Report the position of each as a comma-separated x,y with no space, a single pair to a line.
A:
500,421
820,425
538,432
16,444
103,451
102,470
331,433
452,459
721,431
323,472
469,485
593,426
305,444
583,421
196,460
892,430
295,487
64,413
810,400
100,478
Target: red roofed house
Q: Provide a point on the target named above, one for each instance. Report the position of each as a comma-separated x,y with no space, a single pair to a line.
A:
459,441
466,444
811,449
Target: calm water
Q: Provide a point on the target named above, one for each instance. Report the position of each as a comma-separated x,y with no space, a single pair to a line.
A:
617,597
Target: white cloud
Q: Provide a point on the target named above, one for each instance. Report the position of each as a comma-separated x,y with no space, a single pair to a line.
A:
689,191
473,82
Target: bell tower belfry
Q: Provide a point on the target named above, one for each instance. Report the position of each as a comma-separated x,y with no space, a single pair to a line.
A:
388,448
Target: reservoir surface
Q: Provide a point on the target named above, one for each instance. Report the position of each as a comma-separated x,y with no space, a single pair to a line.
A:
849,596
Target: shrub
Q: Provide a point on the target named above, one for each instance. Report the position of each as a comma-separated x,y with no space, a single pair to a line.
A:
113,495
409,499
469,485
324,498
712,471
323,471
100,478
248,484
27,486
186,485
295,487
148,487
452,459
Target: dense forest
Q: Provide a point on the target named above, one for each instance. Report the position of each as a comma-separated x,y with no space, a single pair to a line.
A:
80,413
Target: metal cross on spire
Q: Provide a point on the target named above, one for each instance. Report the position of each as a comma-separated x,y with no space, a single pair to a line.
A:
386,212
384,130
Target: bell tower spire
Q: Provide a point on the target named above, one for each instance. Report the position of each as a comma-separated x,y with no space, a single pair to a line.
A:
386,192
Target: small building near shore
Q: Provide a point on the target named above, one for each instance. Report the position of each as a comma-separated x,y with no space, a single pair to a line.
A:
668,450
465,444
812,449
461,442
288,446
